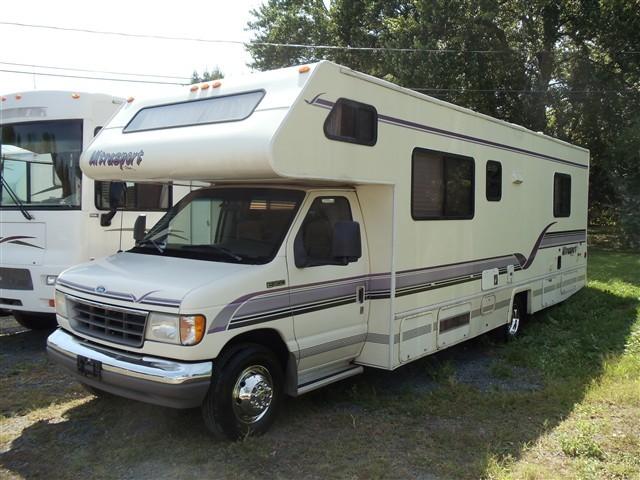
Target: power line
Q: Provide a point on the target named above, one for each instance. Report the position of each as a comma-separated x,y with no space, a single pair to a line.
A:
95,71
91,78
265,44
434,91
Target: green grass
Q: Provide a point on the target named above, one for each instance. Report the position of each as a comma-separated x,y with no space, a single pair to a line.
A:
562,401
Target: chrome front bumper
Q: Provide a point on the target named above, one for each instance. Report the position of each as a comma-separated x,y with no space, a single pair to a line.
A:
148,379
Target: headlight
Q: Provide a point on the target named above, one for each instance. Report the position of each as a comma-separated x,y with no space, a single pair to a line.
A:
61,304
51,280
163,327
183,329
191,329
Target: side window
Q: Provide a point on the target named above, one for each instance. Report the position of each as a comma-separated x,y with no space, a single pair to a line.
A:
442,186
353,122
137,196
561,195
315,238
494,181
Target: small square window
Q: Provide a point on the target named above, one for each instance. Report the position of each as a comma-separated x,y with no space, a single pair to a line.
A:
352,122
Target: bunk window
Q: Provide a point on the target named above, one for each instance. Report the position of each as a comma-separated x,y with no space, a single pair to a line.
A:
133,196
352,122
494,181
227,108
442,186
561,195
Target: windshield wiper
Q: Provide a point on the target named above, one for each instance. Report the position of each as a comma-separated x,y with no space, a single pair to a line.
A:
160,247
217,248
15,199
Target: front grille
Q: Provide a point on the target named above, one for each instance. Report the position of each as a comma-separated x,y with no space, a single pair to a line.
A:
15,279
114,324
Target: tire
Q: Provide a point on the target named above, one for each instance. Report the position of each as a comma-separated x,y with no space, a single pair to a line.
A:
245,393
516,317
36,321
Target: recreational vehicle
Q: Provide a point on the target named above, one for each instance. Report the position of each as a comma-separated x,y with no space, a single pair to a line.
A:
349,223
51,215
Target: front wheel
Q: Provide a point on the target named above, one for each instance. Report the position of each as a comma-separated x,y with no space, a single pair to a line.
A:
36,321
245,394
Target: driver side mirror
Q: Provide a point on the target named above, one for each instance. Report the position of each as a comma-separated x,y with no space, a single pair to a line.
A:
117,192
347,246
139,228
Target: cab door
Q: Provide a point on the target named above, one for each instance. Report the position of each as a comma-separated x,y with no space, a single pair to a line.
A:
328,294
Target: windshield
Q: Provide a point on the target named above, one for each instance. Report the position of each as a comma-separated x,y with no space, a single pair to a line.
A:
237,225
40,163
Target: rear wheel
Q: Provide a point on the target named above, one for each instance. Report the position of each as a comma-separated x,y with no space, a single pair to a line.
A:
245,393
36,321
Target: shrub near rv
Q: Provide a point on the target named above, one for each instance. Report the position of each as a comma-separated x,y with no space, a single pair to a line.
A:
350,223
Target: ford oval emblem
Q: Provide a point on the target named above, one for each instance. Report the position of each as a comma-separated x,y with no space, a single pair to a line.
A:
100,289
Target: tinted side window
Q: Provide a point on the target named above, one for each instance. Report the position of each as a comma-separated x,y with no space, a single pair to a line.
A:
494,181
137,196
442,186
561,195
353,122
316,233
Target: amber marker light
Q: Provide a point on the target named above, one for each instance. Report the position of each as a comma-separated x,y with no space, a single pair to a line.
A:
204,86
18,97
304,69
75,96
130,99
194,88
216,84
4,99
191,329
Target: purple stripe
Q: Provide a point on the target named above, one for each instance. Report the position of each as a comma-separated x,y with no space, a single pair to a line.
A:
446,133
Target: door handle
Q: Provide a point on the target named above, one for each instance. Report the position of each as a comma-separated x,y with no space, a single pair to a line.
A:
360,294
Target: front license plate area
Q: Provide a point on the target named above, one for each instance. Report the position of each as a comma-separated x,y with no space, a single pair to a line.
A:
89,367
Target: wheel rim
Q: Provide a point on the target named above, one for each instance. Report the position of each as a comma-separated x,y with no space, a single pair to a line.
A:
252,394
514,325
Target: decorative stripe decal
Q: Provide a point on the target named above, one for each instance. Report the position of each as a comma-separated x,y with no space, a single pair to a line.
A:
18,240
145,299
317,101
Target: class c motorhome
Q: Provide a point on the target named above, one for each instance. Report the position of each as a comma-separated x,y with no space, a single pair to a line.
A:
51,215
349,223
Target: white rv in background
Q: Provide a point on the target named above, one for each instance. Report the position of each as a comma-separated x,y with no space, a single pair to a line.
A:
348,223
51,215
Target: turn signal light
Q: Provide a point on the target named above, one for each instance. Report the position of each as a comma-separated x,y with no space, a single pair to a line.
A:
191,329
304,69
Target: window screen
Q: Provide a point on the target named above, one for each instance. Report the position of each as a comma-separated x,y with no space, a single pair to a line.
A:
228,108
442,186
353,122
494,181
136,196
317,229
561,195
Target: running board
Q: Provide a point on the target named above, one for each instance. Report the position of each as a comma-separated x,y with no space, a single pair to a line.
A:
321,382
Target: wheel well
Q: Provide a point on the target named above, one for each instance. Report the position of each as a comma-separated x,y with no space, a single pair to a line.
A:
523,298
266,337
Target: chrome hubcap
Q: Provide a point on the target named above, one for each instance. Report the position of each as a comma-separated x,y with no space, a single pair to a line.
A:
252,394
515,322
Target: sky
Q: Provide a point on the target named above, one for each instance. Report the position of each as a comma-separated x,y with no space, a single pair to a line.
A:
212,19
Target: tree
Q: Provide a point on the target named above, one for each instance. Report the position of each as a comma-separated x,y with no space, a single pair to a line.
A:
215,74
563,67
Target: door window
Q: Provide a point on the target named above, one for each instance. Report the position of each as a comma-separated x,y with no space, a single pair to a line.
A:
315,238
